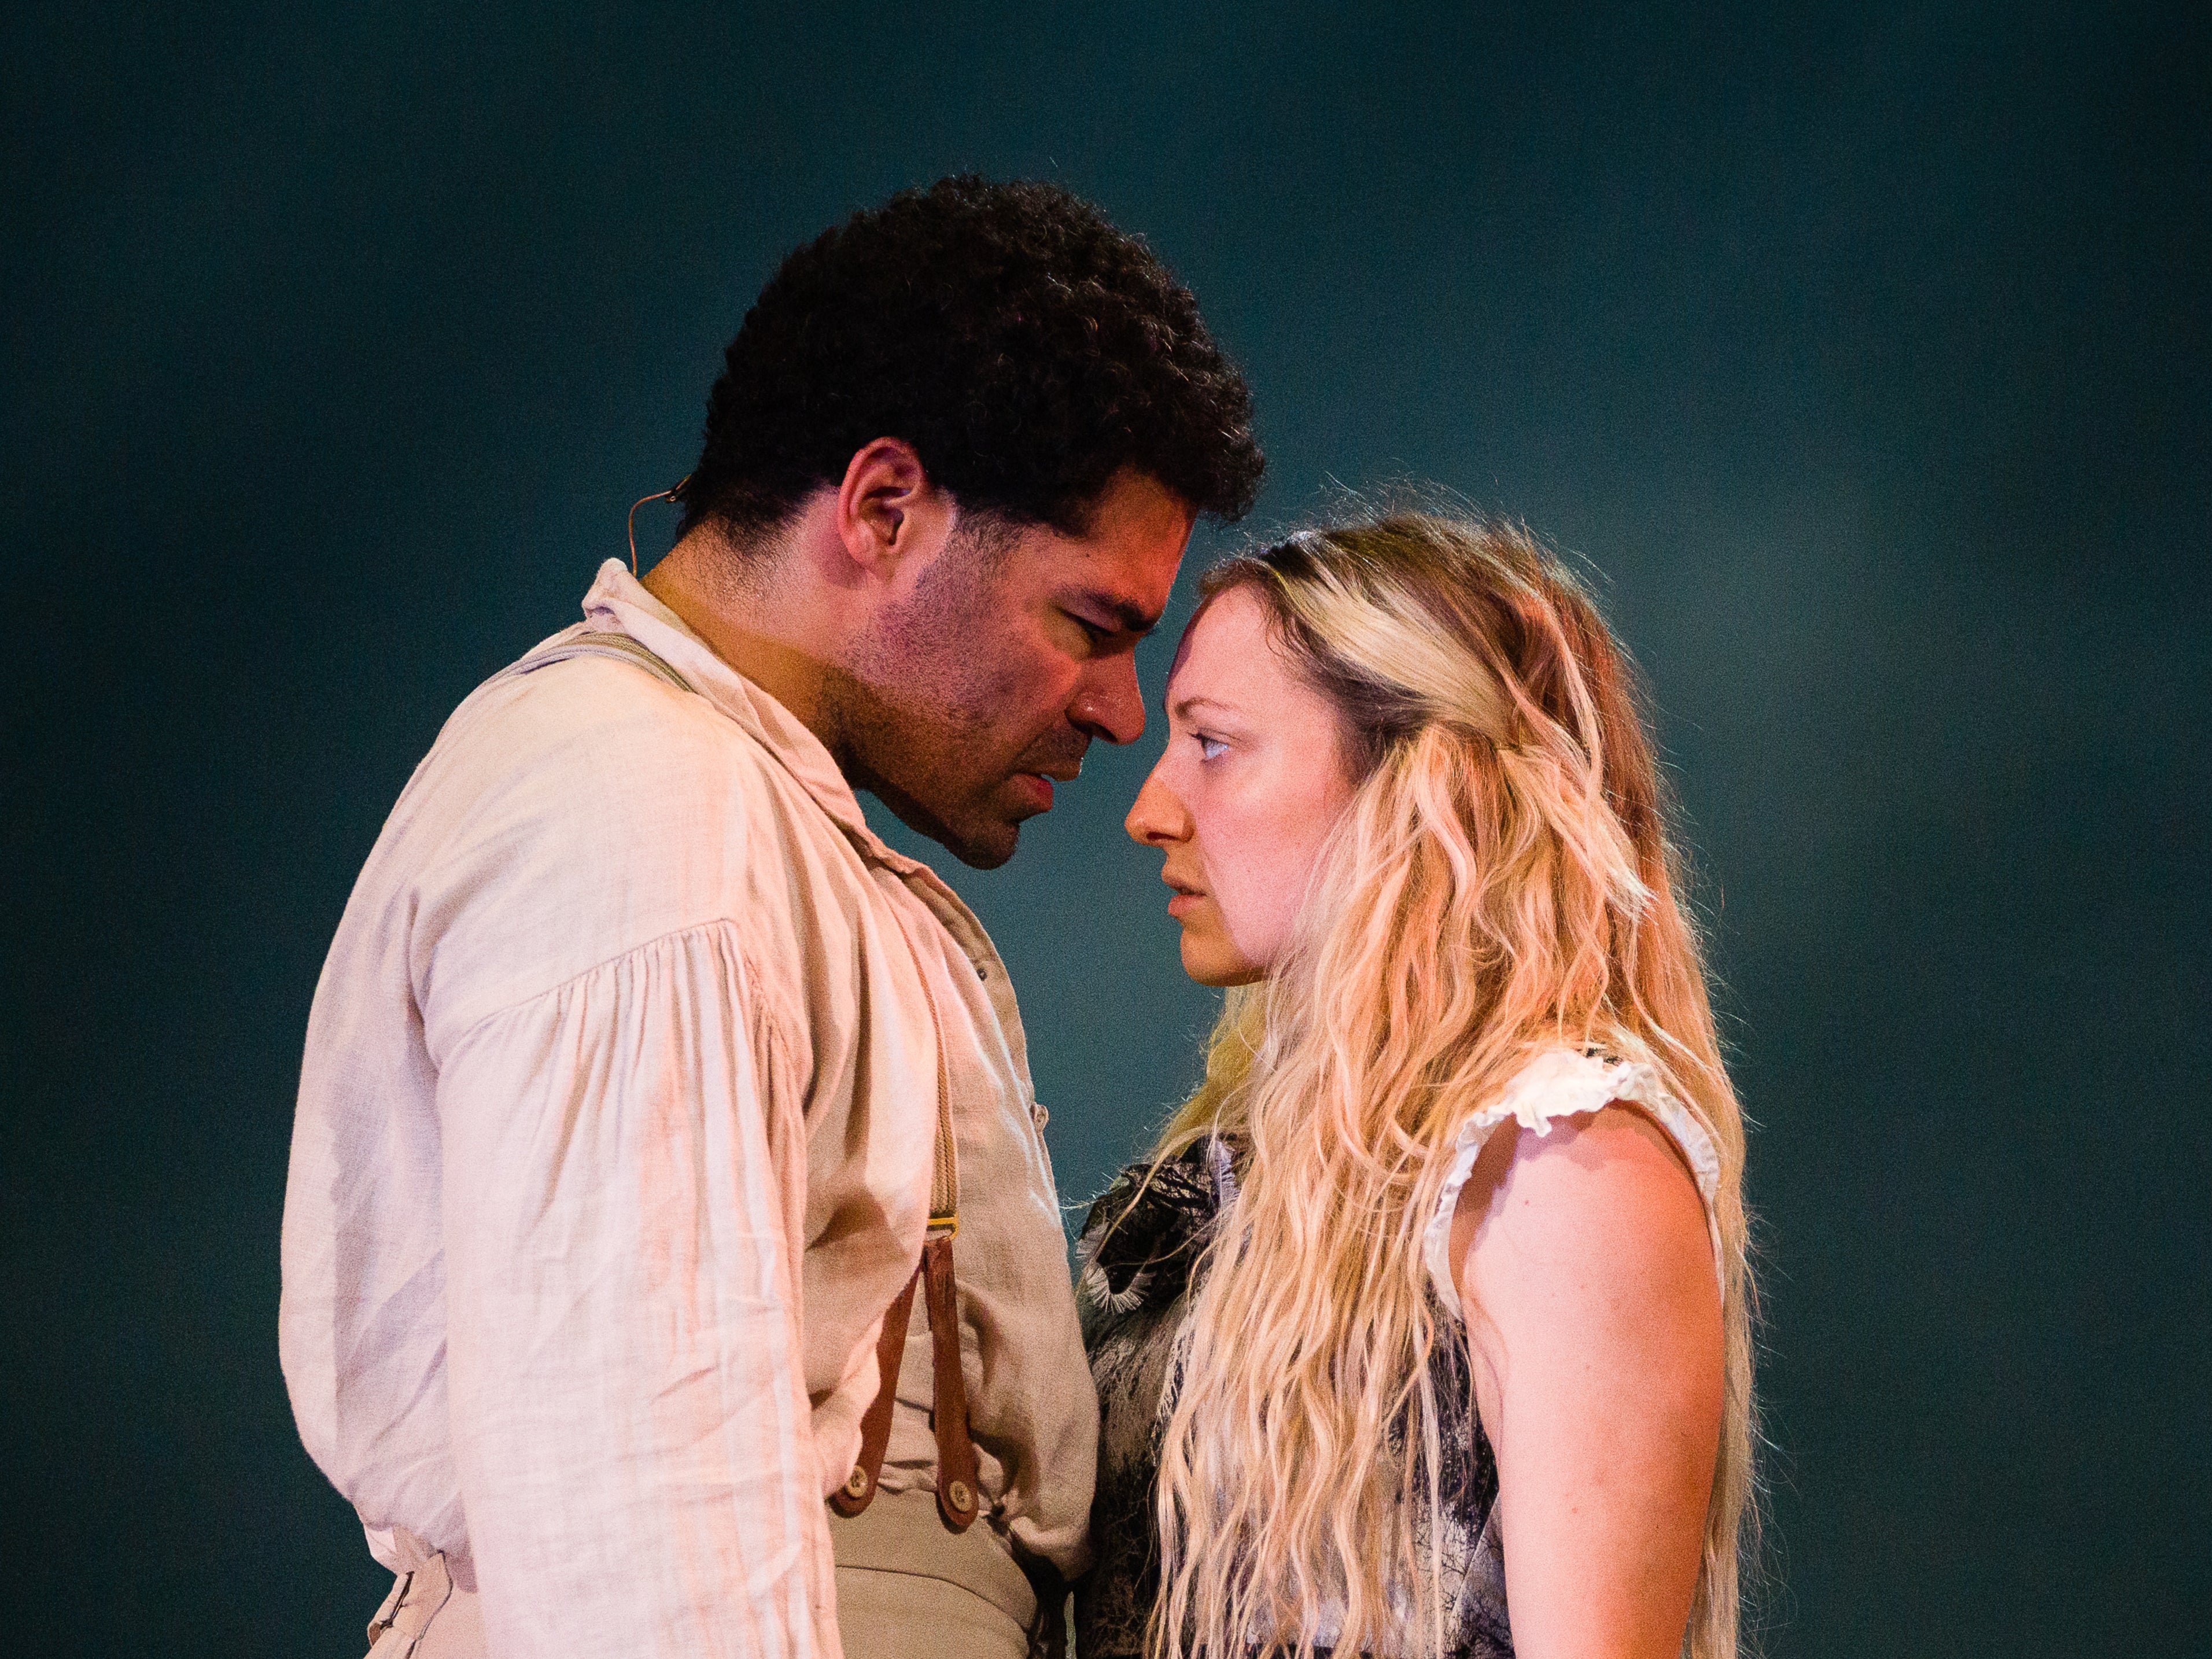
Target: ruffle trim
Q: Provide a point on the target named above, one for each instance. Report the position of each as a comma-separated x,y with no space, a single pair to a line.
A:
1561,1084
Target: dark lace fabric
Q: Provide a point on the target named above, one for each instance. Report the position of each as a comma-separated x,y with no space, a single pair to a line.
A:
1132,1292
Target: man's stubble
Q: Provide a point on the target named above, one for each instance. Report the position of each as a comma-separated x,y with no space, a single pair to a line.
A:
918,713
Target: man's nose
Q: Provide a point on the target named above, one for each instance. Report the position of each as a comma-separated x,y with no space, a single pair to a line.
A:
1109,704
1158,818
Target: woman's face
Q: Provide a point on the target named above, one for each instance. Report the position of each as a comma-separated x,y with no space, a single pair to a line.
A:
1253,780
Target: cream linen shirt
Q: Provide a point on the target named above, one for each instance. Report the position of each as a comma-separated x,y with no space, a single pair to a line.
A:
613,1145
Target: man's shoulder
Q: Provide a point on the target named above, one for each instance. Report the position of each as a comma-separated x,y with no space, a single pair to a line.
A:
603,749
590,711
581,811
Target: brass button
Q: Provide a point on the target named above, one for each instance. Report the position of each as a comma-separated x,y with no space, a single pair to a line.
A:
856,1484
959,1496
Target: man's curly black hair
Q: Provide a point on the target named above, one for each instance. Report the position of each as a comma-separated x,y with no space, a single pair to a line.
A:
1024,347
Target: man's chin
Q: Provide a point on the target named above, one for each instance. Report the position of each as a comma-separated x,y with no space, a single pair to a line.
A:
985,839
987,855
978,845
982,841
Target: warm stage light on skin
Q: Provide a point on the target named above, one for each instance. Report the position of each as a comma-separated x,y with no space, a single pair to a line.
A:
1251,781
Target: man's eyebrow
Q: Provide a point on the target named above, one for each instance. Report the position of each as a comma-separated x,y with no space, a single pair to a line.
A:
1128,616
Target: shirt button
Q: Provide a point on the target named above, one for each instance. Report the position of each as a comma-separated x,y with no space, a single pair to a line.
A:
982,972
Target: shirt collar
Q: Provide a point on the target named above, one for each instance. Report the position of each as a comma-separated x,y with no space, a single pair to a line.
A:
619,602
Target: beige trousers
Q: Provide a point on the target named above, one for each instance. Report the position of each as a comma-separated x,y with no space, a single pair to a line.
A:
906,1588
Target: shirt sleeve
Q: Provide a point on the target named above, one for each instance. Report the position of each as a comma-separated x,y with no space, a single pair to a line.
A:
624,1182
1560,1084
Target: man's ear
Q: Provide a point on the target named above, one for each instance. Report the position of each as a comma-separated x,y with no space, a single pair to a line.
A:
889,513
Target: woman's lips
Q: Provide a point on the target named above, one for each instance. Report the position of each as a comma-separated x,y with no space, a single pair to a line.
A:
1185,898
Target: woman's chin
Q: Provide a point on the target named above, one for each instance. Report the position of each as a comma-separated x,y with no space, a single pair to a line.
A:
1210,961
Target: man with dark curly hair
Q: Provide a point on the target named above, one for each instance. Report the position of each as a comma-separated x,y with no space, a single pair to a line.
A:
646,1090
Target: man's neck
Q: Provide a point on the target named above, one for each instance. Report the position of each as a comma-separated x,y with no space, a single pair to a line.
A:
695,581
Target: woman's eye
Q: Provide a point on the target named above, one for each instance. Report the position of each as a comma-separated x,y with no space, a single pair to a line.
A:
1209,747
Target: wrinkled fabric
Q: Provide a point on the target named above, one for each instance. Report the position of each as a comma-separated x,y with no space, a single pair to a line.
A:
613,1144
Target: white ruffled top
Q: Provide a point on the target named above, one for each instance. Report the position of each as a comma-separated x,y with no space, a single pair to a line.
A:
1561,1083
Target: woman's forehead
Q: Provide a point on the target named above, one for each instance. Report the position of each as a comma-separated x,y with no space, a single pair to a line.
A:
1225,645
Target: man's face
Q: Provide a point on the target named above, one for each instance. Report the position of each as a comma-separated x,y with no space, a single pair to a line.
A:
968,699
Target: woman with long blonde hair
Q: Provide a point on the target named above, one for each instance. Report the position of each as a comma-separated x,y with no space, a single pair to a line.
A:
1425,1329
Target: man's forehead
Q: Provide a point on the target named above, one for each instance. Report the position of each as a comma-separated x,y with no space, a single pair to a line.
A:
1137,537
1124,583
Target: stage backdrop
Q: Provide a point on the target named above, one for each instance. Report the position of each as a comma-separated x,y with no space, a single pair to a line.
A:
1861,354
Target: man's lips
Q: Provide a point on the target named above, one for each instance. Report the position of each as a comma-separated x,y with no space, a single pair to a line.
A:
1037,785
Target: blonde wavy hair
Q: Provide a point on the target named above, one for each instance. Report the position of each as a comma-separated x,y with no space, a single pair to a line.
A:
1501,883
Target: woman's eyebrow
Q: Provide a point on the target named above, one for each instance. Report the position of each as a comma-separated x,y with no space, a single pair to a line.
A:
1180,709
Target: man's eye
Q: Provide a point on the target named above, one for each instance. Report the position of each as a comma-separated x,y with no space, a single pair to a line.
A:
1209,747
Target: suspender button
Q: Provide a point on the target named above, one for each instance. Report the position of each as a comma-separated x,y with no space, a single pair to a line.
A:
856,1484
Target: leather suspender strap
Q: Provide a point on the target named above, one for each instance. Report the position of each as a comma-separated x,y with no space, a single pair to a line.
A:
958,1497
958,1500
956,1452
957,1490
859,1487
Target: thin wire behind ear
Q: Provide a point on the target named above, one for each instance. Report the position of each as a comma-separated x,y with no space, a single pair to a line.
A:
673,493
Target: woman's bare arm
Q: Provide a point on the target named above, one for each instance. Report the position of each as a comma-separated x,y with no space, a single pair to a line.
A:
1595,1315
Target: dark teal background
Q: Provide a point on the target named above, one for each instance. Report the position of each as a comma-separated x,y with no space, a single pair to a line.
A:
1861,349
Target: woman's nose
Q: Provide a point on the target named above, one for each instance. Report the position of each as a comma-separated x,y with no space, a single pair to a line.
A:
1158,818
